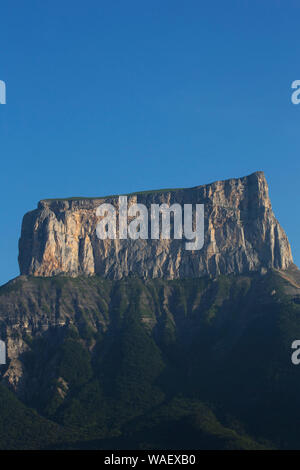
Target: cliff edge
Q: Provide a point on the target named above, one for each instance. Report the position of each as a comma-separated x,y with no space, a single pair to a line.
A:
241,234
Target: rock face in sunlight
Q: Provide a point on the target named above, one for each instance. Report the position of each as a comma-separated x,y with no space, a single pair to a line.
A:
241,234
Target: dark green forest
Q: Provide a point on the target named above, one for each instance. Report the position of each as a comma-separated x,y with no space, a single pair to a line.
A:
155,364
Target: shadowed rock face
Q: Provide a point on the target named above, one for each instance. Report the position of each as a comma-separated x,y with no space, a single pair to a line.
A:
241,235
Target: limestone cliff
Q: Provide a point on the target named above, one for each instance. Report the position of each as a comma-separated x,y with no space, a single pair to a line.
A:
241,235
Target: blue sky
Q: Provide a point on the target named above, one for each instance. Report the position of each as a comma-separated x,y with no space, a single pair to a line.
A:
115,96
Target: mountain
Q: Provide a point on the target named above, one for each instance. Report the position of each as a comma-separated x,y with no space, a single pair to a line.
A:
144,361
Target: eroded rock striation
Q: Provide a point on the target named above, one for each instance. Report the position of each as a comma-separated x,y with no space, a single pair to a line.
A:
241,235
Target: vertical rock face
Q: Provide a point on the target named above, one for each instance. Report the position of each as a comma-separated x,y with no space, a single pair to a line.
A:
241,234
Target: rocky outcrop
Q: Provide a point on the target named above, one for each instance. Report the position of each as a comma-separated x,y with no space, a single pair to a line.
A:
241,235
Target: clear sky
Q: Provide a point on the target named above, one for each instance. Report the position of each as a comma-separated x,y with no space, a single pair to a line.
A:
115,96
